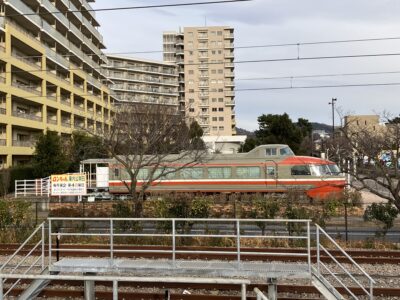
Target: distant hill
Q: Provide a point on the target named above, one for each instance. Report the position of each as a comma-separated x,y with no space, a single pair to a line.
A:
315,126
322,126
241,131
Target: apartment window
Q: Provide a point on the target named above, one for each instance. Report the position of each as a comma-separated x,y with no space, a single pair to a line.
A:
190,34
214,33
214,109
220,99
221,127
191,61
221,109
191,72
215,119
191,90
221,119
213,81
191,81
190,53
204,110
191,109
219,33
220,81
214,52
213,44
220,90
215,128
213,71
214,99
213,90
220,71
191,100
219,51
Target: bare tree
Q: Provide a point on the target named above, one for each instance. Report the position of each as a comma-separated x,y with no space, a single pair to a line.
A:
151,142
370,154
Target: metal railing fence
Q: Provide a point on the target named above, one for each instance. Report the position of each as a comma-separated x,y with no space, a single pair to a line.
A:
18,269
34,187
173,230
323,267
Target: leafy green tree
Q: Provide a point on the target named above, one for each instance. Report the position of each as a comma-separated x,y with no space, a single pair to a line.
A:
49,157
84,146
248,145
280,129
384,213
263,208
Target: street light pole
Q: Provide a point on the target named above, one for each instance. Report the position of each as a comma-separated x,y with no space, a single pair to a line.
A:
333,115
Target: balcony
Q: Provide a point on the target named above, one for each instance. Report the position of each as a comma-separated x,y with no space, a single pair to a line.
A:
229,65
229,83
25,115
28,88
66,101
3,142
230,103
78,107
25,11
230,94
55,75
30,62
229,55
66,123
229,36
229,74
27,143
52,121
55,12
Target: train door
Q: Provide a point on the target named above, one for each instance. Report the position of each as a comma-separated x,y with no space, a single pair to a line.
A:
271,175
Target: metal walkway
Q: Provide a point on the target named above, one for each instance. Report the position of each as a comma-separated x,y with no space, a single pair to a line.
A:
230,267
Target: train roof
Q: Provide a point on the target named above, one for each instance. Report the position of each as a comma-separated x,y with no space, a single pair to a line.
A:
275,151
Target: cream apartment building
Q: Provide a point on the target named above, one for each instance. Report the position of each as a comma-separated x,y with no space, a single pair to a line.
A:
50,73
135,80
205,60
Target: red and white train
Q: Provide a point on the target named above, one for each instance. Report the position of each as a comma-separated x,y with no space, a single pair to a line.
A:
265,169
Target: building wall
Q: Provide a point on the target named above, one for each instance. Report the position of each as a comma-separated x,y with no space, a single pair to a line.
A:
50,74
142,81
205,57
354,122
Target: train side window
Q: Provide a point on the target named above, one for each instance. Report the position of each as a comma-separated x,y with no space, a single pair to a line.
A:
116,173
248,172
301,170
192,173
271,171
143,174
168,173
219,173
270,151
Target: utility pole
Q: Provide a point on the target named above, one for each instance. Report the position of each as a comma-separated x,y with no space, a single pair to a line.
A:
332,103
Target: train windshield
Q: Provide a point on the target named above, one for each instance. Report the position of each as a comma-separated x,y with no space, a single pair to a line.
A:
324,170
286,151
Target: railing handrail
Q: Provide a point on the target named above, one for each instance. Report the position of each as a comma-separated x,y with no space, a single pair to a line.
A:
183,219
344,253
40,227
260,295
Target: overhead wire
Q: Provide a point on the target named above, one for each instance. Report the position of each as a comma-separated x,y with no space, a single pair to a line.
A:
132,7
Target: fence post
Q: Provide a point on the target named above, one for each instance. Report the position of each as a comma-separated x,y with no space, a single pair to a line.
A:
309,248
243,292
115,290
318,249
173,243
238,242
43,244
1,289
50,242
111,239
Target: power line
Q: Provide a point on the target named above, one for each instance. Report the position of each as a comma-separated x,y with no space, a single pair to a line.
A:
319,75
288,59
132,7
319,86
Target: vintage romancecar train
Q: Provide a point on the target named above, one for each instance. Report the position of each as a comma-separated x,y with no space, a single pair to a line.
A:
265,169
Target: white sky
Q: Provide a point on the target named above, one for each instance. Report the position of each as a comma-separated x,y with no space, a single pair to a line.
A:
263,22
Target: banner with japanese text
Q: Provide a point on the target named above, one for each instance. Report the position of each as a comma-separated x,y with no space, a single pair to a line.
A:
68,185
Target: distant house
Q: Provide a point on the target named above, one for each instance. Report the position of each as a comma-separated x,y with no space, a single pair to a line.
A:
224,144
